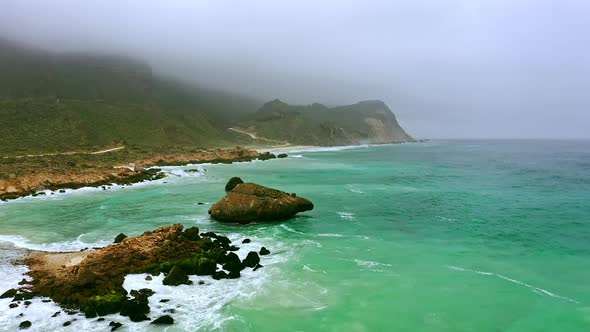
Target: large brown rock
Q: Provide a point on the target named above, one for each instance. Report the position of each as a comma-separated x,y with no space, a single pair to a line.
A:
252,202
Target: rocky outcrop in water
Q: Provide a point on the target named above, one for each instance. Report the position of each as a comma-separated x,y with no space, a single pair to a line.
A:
249,202
232,183
92,280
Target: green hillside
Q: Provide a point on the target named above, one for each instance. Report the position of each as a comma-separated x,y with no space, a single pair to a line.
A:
62,102
361,123
51,102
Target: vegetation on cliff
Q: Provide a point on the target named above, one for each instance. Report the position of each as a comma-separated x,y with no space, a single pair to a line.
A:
62,102
362,123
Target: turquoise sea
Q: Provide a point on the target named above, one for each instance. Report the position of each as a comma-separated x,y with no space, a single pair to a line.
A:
437,236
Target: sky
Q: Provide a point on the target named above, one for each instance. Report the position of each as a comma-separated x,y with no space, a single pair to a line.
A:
447,68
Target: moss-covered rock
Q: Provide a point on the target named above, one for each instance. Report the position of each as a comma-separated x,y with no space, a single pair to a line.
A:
207,266
9,293
138,307
105,304
24,325
95,285
176,277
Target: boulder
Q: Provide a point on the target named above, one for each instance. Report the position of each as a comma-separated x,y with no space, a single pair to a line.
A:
163,320
9,293
282,155
251,260
24,325
120,238
138,307
233,265
232,183
24,295
264,251
192,234
266,156
115,326
176,277
218,275
106,304
206,266
249,202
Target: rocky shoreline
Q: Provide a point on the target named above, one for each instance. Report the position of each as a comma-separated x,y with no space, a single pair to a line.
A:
73,176
91,281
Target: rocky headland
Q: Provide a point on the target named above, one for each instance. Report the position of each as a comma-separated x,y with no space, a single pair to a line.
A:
92,280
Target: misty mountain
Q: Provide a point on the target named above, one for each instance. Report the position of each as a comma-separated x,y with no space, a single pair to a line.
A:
365,122
28,72
53,102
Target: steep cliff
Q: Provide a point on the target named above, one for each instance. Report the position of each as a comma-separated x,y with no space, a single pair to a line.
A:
366,122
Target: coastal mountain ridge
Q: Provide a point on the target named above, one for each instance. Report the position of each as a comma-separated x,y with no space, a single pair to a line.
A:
366,122
55,102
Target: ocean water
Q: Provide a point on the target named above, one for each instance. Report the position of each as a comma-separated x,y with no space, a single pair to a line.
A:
438,236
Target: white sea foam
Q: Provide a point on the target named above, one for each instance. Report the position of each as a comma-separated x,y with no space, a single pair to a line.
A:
196,307
518,282
330,235
74,245
445,218
64,193
325,149
289,229
370,265
199,220
38,312
201,307
335,235
184,172
346,215
307,268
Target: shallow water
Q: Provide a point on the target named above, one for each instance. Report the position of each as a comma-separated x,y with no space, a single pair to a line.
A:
439,236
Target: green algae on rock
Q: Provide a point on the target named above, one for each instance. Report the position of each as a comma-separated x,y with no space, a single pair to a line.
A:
92,280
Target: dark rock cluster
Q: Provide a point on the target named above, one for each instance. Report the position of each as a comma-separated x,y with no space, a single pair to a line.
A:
95,284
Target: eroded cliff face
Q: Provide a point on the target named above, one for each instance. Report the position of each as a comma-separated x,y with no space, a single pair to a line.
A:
382,126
